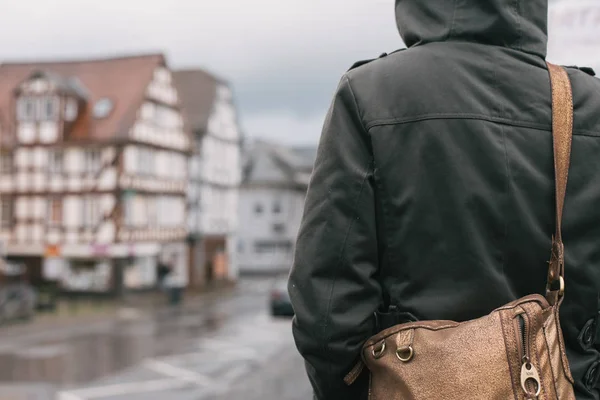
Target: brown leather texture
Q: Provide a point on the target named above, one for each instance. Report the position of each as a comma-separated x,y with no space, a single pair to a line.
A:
515,352
562,129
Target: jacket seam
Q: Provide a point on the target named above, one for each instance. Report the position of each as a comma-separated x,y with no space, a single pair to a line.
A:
338,265
451,31
425,117
340,257
519,41
504,121
507,188
360,118
386,217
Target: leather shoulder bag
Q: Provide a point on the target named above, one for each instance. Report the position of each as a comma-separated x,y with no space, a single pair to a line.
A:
516,352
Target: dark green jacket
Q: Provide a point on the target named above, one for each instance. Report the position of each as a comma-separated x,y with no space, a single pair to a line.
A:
433,189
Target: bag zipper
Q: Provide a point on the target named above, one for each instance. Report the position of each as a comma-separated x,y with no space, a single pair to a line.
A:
530,379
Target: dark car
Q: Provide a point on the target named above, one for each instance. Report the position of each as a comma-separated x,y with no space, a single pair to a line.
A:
280,300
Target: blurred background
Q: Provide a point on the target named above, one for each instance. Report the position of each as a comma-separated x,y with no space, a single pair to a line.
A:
154,158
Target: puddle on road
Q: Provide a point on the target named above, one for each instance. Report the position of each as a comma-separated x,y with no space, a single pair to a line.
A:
83,358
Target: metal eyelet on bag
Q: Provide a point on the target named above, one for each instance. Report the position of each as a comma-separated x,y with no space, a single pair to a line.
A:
378,352
405,354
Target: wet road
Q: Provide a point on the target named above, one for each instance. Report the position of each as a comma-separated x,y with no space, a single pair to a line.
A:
225,348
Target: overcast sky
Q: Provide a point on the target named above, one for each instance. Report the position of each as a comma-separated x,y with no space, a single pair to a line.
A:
284,58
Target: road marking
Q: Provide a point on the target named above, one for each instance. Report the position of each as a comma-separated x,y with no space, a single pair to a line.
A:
235,373
178,377
67,396
230,350
228,378
182,374
158,385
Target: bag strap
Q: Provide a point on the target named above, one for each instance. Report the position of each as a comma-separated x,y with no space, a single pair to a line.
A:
562,133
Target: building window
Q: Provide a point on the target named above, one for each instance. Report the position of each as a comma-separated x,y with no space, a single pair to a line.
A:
6,162
71,110
258,208
6,212
145,161
48,108
278,228
55,162
26,108
91,161
277,207
91,211
128,209
55,211
262,247
151,214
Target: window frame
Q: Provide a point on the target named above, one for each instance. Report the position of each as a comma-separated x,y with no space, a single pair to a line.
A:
26,108
7,219
89,161
55,219
53,166
71,109
44,113
6,168
90,208
128,217
145,161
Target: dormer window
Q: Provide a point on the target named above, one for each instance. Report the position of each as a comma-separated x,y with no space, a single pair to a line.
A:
71,110
43,108
26,108
48,108
102,108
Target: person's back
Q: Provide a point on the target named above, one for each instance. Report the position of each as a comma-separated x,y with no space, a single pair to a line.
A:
433,189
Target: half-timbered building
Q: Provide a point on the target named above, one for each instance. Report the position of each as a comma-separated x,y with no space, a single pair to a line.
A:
93,171
214,175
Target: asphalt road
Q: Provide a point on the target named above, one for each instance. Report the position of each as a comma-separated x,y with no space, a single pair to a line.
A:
228,348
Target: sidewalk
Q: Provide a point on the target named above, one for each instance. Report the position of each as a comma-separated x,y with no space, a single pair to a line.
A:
86,313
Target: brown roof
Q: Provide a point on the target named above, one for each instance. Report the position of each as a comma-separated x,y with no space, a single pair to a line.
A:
123,80
197,90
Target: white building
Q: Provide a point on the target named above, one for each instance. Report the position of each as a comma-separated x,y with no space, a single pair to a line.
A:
93,171
573,29
271,205
214,174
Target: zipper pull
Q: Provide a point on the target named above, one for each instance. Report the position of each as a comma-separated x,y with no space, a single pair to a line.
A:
529,376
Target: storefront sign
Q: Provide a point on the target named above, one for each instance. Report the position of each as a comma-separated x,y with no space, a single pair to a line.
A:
52,251
100,249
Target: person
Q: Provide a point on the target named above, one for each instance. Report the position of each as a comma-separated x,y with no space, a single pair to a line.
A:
433,190
162,271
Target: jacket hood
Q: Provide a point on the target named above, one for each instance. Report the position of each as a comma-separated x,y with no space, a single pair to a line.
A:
517,24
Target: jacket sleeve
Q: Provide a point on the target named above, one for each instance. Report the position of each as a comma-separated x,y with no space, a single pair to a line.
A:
332,283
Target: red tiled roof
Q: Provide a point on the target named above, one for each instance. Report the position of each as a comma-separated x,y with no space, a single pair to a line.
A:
123,80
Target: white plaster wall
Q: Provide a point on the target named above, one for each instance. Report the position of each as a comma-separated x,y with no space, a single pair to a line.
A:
108,179
39,207
48,131
72,211
26,132
255,227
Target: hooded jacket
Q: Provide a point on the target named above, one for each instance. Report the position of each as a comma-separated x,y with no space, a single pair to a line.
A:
433,189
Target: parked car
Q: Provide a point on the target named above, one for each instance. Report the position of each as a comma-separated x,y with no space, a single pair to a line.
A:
280,303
